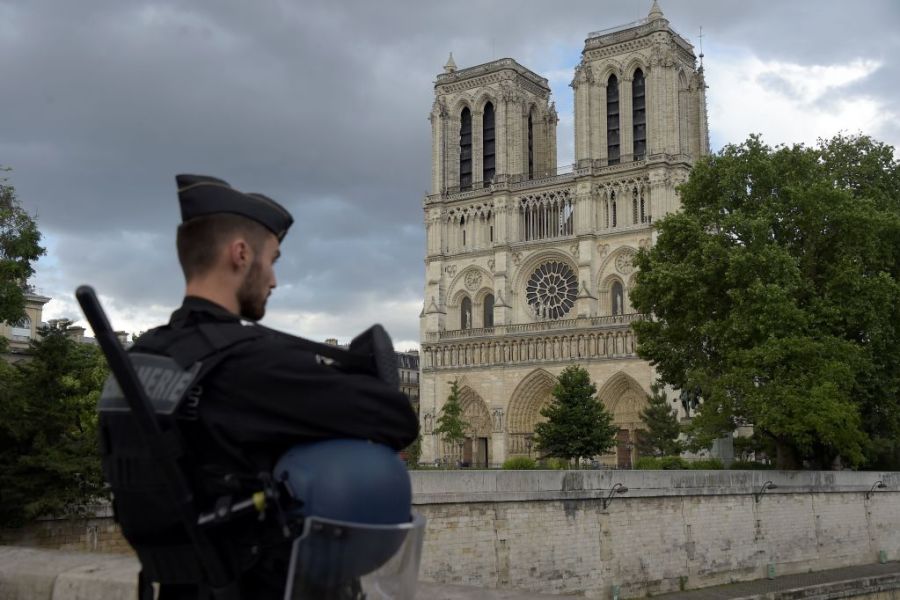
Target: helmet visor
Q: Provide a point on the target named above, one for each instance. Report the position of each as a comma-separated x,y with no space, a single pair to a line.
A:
341,560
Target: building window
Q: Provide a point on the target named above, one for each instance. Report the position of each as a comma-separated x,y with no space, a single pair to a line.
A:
639,115
612,120
465,150
489,144
644,218
489,310
613,202
462,231
551,290
465,314
548,215
531,144
634,206
618,298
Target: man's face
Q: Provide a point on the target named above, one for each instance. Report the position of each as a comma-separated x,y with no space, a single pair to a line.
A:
259,281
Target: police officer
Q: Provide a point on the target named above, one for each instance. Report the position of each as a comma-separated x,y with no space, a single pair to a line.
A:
267,391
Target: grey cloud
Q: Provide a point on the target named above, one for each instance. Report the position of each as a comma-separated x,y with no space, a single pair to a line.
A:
321,105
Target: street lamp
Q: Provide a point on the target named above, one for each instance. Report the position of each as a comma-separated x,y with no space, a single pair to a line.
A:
766,486
616,489
878,485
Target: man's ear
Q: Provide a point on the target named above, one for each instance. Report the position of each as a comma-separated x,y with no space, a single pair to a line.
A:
239,253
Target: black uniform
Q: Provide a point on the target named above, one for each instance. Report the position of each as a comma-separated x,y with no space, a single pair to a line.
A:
267,394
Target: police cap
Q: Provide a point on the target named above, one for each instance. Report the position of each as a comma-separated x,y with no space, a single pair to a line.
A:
201,195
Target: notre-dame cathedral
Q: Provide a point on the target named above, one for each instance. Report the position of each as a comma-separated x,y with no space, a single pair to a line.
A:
529,267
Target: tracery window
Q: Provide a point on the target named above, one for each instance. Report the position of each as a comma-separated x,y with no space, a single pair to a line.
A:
465,149
489,144
551,290
488,311
465,314
612,120
618,298
547,215
639,115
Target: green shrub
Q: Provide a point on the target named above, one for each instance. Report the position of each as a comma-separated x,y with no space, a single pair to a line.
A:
520,463
673,463
749,465
709,464
556,464
647,463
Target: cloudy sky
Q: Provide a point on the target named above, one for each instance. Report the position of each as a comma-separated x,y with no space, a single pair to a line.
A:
323,106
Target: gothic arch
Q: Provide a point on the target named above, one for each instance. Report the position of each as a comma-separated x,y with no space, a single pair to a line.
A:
475,413
636,62
483,99
624,398
682,80
607,267
532,394
610,68
457,285
461,103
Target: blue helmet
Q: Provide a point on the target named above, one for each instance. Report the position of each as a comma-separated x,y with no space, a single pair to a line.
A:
354,498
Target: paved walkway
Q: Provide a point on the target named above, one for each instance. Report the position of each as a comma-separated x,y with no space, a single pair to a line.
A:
834,581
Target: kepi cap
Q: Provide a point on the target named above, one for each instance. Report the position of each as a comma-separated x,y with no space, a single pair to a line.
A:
201,195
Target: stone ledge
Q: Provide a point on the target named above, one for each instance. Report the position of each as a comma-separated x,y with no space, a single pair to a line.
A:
442,487
30,574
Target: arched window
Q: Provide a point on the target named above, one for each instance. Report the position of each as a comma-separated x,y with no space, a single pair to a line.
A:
487,172
613,202
531,144
465,149
634,206
612,120
465,314
618,298
489,310
462,231
644,218
639,115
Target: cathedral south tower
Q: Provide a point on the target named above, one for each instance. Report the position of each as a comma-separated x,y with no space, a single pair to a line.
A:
529,266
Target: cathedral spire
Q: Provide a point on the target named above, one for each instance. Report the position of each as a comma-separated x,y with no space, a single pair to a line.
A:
451,65
655,12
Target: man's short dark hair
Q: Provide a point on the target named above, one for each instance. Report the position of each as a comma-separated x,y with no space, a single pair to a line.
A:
200,240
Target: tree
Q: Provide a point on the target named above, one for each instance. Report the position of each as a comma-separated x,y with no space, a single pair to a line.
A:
578,425
451,425
660,438
774,295
49,462
19,248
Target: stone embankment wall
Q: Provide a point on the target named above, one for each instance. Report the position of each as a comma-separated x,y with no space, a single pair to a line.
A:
548,531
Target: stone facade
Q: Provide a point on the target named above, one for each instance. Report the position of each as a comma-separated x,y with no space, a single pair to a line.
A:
528,267
20,334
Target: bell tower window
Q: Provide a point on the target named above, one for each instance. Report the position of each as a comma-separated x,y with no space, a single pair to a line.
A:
465,149
639,115
612,120
489,143
531,144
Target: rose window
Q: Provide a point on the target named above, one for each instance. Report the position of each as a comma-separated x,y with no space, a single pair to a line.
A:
551,290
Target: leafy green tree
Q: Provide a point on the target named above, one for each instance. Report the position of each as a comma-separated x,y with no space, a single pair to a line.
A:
19,249
578,425
660,438
49,463
451,427
774,295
